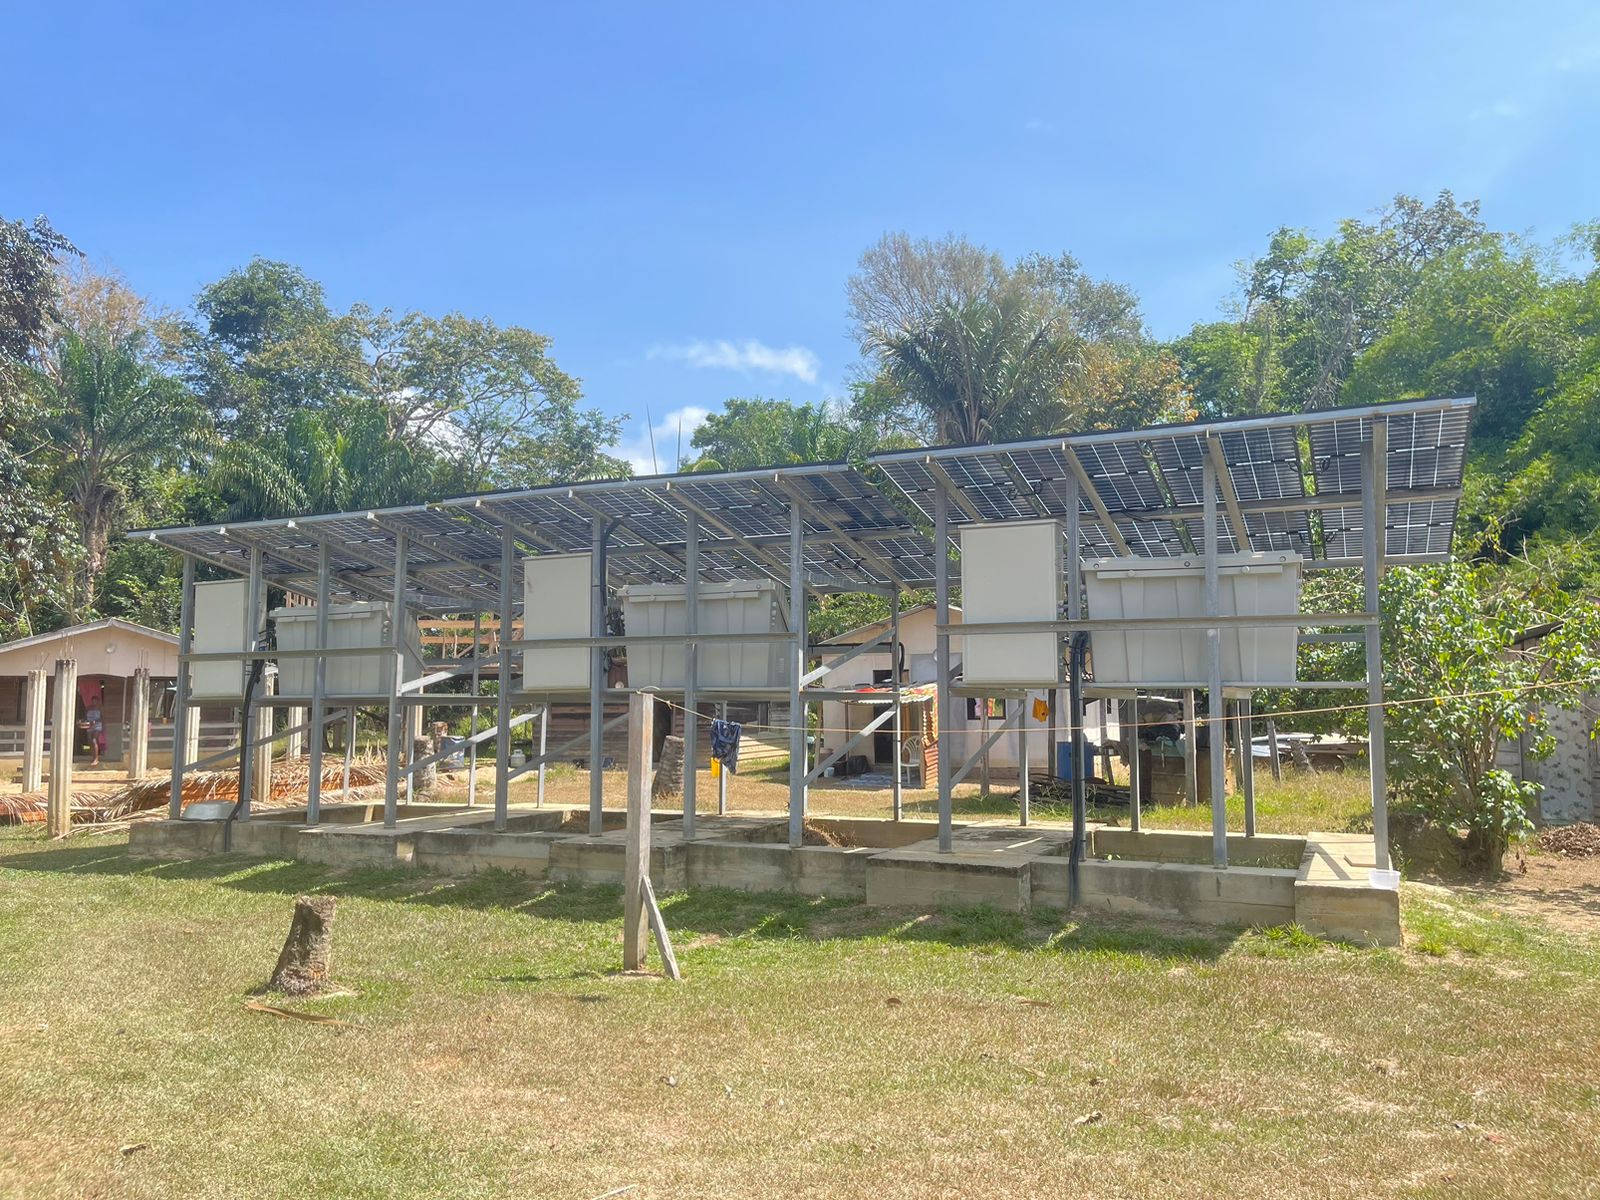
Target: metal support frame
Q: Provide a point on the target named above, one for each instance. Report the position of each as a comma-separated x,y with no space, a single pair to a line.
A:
1024,805
1135,767
827,668
502,746
797,669
391,782
897,787
982,753
544,738
598,598
1375,516
538,763
942,673
691,670
254,603
857,739
1247,764
319,691
1191,748
1214,695
472,725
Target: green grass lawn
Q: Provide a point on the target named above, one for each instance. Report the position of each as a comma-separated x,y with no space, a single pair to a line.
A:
815,1048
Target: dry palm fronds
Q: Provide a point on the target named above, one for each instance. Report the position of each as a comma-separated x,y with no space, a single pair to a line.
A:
1581,840
291,781
34,807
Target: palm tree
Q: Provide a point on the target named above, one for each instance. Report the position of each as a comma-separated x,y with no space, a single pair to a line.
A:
983,370
980,351
110,420
322,460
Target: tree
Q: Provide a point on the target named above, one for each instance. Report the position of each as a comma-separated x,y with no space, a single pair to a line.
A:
109,421
981,351
29,295
496,404
1460,680
773,433
1319,305
34,542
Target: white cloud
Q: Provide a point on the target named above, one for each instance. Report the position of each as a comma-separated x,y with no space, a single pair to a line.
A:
748,355
634,446
1039,125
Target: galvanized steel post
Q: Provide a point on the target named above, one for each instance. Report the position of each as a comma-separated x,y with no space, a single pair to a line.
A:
319,690
397,612
1214,717
941,600
691,668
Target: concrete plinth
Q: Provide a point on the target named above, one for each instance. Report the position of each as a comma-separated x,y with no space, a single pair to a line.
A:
1320,881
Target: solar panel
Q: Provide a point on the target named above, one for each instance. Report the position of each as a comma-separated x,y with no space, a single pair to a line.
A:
857,537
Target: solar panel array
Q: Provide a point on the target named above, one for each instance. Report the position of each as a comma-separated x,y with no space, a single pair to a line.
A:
855,538
1296,479
1296,484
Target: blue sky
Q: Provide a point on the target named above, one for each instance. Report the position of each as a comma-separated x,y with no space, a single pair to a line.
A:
677,193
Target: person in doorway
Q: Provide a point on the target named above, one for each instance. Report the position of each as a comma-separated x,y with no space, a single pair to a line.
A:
94,719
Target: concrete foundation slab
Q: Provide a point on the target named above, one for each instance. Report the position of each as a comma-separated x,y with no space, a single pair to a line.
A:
1322,882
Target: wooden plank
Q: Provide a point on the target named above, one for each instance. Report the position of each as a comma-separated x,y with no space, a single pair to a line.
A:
658,924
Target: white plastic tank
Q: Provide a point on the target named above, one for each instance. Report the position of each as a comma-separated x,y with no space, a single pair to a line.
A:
736,606
349,626
1259,584
221,622
556,604
1011,571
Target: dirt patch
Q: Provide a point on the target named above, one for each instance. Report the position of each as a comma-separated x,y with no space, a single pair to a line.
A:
1571,841
1564,891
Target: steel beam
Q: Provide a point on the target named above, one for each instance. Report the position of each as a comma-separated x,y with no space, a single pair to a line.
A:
504,673
691,669
1214,702
943,669
797,668
319,692
180,695
397,615
1375,518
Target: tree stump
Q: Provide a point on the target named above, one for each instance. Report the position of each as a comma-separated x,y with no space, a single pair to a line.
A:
426,779
303,965
668,783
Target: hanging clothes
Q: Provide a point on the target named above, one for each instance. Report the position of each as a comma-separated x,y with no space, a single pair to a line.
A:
725,744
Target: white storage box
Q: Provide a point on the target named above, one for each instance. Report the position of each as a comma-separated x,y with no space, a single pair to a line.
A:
221,622
358,676
1011,572
737,606
1249,585
556,603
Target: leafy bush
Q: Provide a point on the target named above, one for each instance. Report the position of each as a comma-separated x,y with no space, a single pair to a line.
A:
1462,676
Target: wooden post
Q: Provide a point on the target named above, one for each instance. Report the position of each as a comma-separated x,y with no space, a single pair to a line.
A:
1272,749
33,718
294,744
139,725
63,734
636,857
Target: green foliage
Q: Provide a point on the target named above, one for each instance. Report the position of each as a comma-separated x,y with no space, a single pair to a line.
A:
1462,679
770,433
